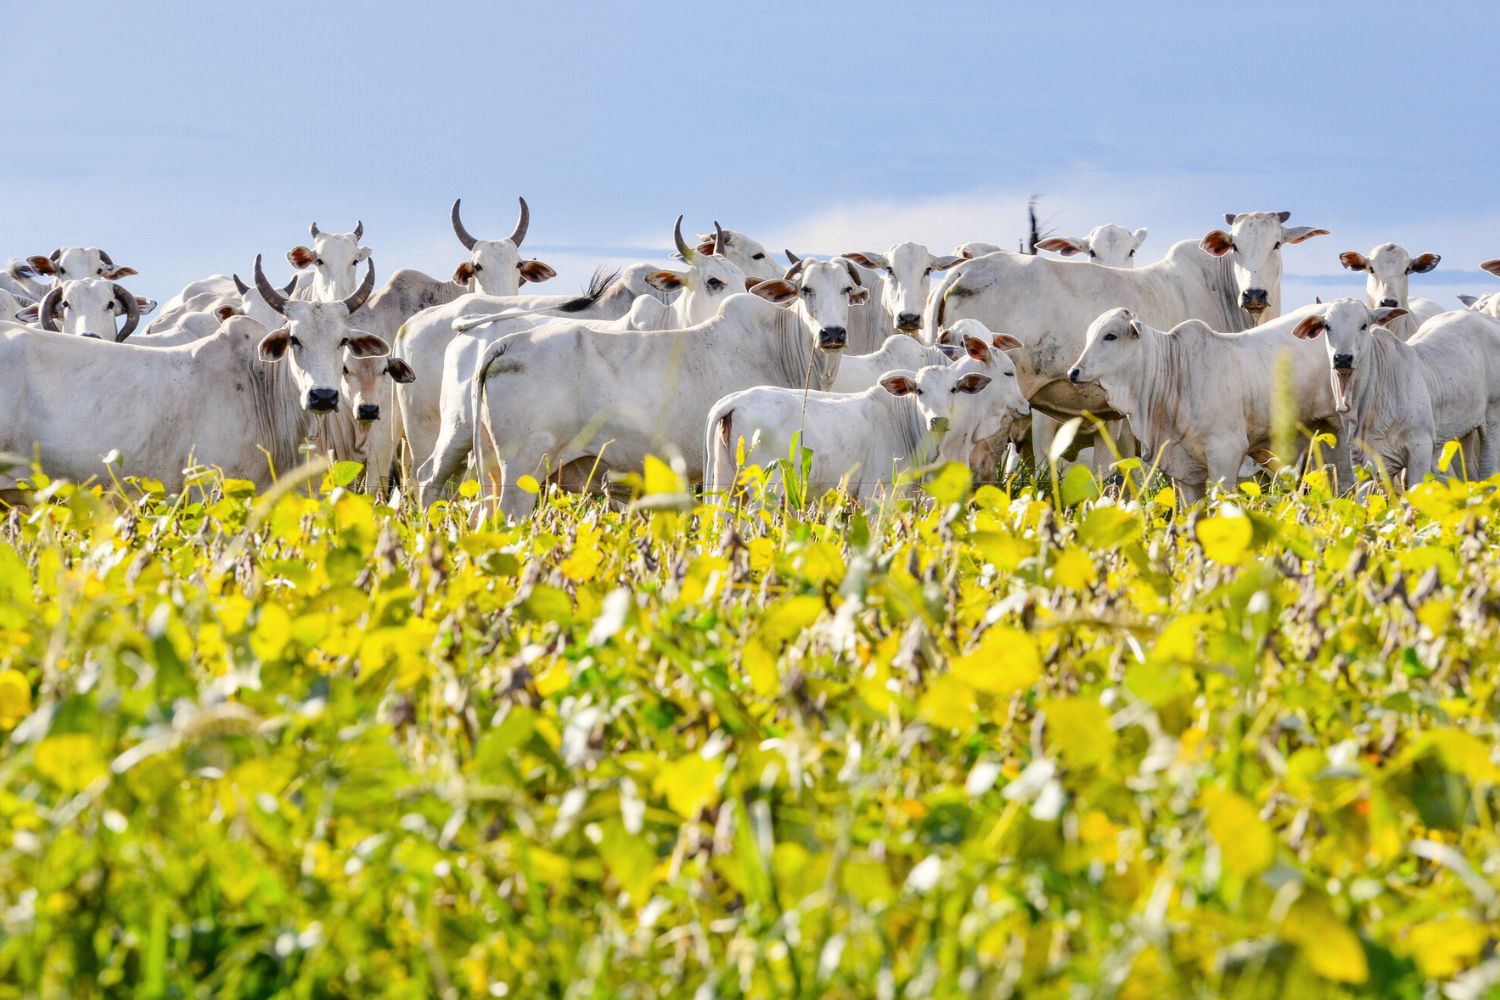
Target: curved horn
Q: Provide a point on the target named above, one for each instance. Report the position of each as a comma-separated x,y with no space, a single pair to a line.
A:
286,289
353,302
105,257
853,272
56,255
464,236
47,311
797,263
523,223
132,313
682,247
719,241
243,288
273,298
315,231
1283,216
359,230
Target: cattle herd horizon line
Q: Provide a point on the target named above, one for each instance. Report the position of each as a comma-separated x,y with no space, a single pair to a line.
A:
851,371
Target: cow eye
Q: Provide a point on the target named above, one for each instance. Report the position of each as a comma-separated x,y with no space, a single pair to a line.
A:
807,292
320,261
1131,254
1092,254
714,284
1110,336
1364,326
295,342
758,256
346,369
1010,374
926,272
1277,246
848,290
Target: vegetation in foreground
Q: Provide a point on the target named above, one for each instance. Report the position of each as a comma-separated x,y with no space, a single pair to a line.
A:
978,743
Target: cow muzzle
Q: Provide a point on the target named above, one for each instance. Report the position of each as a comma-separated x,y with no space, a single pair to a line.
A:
832,338
1255,301
1387,303
1075,375
368,411
908,322
322,400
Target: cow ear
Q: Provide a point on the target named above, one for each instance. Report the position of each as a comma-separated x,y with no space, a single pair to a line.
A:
1309,328
120,272
274,344
30,314
1300,234
1217,243
1354,260
898,383
859,296
362,254
464,273
224,312
1467,300
1387,315
535,270
1065,245
1492,266
706,245
972,382
366,345
1424,262
41,265
943,263
1006,342
874,261
976,348
777,290
400,371
300,257
751,283
1140,235
665,281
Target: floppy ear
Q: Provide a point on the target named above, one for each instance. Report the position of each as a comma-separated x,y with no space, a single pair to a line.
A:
1006,342
120,272
29,314
1140,235
943,263
1354,260
1065,245
972,382
1299,234
1492,266
751,283
665,281
777,290
874,261
976,349
366,345
1217,243
535,270
1467,300
274,345
41,265
1309,328
859,296
1424,262
301,257
400,371
224,312
898,383
1385,316
464,273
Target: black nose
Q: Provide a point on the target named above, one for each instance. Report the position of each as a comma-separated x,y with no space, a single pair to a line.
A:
908,321
832,338
1255,298
1343,362
1388,303
322,400
92,336
368,411
1074,375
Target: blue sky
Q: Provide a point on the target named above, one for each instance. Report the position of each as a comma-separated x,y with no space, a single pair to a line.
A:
186,137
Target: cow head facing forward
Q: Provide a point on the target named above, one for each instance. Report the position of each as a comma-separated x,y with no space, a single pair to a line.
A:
1109,244
364,384
334,258
89,307
943,396
710,278
1389,269
1346,327
72,263
820,293
495,267
1253,248
908,271
313,340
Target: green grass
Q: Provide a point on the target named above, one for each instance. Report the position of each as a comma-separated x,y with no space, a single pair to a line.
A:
975,743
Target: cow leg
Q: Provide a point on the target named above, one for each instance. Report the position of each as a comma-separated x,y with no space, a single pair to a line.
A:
1419,458
1487,455
533,454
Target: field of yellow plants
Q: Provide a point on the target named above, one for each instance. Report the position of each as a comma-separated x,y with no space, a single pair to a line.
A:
990,741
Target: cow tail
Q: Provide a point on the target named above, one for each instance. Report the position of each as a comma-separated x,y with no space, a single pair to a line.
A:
720,451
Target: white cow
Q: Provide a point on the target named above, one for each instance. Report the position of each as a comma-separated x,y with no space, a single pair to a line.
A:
906,270
11,306
330,266
857,372
201,315
39,275
745,253
87,307
1389,269
1109,245
228,401
1199,400
361,429
555,402
495,267
1402,400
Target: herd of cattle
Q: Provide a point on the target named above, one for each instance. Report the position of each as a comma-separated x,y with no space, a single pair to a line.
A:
874,363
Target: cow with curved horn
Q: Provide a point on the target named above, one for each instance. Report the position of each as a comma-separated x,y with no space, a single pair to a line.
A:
321,330
745,253
86,307
69,264
333,260
495,267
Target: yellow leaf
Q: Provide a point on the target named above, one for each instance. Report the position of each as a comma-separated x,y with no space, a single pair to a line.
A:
950,484
630,859
1445,947
689,784
15,698
948,702
762,554
272,632
469,488
528,484
1079,730
1225,539
1166,498
71,761
1005,661
1073,569
1436,615
785,619
760,668
1246,844
1330,947
660,478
